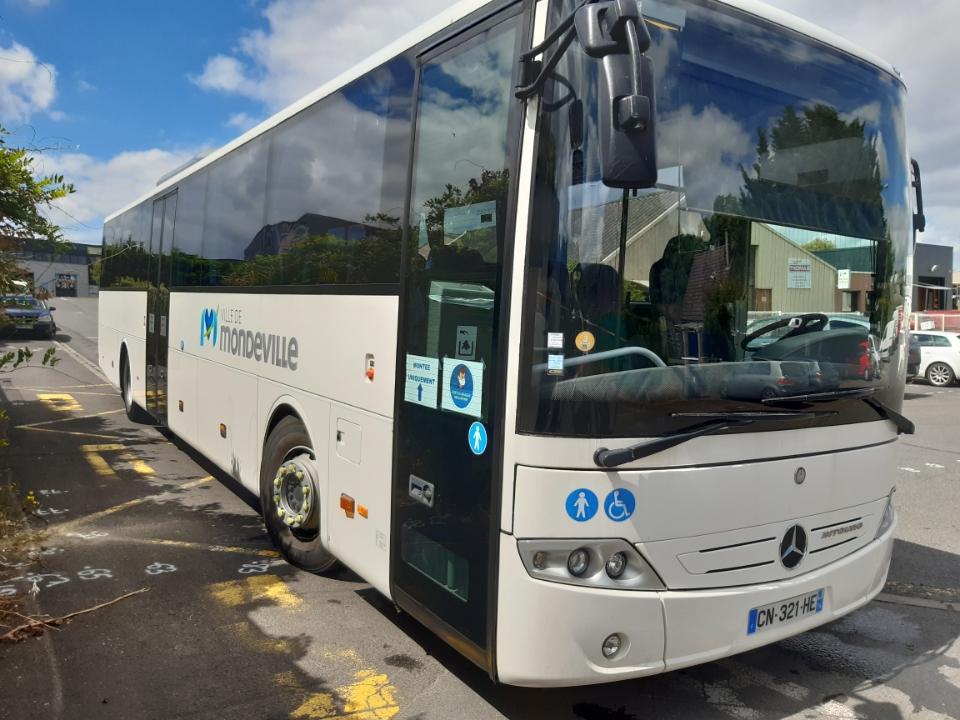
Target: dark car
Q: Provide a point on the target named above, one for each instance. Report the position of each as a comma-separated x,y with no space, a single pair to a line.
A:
845,354
27,314
913,358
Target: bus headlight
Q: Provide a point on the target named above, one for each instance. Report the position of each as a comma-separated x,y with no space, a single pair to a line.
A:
578,561
613,564
616,564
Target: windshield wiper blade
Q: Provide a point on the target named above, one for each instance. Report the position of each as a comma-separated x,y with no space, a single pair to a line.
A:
904,425
828,396
714,422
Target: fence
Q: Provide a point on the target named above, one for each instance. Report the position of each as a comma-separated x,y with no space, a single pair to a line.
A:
946,321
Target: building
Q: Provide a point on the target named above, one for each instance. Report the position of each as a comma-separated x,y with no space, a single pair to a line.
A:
932,277
65,274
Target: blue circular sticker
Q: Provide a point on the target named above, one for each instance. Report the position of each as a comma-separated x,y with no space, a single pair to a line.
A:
461,386
477,438
619,505
582,504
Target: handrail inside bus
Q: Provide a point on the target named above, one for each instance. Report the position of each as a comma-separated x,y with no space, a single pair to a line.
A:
608,355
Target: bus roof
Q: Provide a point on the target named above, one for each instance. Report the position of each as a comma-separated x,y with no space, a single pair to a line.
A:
436,24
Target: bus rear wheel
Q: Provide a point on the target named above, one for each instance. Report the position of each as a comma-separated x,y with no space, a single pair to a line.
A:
289,498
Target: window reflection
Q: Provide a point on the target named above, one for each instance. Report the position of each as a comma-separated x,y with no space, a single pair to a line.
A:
769,261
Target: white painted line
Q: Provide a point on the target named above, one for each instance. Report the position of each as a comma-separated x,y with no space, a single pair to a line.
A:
80,359
909,469
934,465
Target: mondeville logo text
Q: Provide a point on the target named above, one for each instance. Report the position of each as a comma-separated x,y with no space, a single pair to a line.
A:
278,350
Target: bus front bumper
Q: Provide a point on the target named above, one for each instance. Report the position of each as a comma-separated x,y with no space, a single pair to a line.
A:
550,634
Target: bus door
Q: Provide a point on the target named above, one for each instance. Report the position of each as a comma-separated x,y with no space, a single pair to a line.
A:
158,304
447,475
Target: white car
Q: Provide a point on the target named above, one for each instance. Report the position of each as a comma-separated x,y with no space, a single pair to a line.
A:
939,356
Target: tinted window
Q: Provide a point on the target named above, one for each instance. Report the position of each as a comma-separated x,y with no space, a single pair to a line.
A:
334,193
236,199
940,341
126,253
187,258
782,182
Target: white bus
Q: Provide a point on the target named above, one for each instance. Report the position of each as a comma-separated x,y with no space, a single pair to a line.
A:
477,319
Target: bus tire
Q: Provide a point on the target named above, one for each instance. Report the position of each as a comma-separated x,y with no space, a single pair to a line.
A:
288,446
134,412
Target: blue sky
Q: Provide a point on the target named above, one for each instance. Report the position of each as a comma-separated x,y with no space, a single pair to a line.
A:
125,91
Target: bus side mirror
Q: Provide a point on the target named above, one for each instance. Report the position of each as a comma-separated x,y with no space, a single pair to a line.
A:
614,32
919,219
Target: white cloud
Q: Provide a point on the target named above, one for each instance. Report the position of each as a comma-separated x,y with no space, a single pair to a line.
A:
26,85
224,74
104,186
85,86
308,42
242,121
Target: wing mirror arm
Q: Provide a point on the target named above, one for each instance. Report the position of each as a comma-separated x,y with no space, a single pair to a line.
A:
613,32
919,219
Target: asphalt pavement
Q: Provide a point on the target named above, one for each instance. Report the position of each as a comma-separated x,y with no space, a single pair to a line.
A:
225,629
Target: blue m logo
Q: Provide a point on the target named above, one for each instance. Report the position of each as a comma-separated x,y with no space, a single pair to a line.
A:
208,326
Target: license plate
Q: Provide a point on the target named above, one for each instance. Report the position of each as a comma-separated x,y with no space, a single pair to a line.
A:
784,612
25,326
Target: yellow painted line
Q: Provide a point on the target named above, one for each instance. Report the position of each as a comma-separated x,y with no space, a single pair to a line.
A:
30,426
371,696
100,466
59,402
253,639
233,593
93,517
136,463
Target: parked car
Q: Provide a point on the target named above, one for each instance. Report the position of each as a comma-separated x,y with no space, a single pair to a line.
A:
939,356
913,357
27,314
761,379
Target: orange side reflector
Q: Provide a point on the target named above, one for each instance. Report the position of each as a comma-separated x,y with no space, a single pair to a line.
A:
370,374
347,504
362,509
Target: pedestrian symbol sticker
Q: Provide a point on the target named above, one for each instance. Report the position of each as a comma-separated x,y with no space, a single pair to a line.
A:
620,505
477,438
582,504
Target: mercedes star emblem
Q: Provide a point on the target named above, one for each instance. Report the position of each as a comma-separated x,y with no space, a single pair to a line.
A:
793,547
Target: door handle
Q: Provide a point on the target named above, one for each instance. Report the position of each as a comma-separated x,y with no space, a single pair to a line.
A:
421,491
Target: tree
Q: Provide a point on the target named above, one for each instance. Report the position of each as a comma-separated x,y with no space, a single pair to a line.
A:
819,245
23,198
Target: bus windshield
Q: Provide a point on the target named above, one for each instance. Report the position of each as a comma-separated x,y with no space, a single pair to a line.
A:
768,262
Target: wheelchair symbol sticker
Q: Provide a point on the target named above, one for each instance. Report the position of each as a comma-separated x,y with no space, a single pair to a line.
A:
619,505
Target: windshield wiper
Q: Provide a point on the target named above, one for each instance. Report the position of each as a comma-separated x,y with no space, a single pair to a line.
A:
713,423
904,425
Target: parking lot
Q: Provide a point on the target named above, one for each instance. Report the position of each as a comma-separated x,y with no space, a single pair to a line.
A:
225,629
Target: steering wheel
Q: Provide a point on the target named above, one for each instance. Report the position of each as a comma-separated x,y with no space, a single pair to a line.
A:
799,324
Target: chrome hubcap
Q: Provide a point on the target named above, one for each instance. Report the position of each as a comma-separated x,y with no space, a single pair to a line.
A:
939,375
294,492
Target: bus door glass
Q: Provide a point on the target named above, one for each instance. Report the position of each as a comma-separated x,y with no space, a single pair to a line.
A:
467,125
158,304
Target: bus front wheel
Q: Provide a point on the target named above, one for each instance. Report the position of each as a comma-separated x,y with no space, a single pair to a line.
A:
289,498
